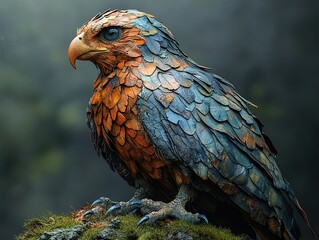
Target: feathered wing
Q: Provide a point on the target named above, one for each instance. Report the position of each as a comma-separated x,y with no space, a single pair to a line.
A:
207,127
196,118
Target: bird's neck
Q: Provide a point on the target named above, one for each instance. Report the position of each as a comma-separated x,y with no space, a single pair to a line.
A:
118,88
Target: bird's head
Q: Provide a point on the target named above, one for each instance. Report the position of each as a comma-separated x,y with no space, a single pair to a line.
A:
115,37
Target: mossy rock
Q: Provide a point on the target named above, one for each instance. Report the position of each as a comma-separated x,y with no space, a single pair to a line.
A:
69,227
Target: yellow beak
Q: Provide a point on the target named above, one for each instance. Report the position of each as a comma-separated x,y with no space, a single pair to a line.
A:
77,50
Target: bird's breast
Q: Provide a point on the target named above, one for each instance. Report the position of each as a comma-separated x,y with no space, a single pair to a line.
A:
116,120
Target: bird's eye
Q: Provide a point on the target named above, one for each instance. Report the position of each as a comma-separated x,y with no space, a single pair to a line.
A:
111,33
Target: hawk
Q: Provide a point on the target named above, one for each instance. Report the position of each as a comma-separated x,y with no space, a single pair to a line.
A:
180,134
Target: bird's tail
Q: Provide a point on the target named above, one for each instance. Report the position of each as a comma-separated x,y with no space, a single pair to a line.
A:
302,213
304,216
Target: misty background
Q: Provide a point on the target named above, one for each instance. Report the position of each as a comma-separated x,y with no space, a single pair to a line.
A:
267,49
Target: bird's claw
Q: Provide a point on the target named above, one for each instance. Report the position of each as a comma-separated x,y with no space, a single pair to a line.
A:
88,212
96,202
98,206
203,218
143,219
135,210
136,203
91,212
112,209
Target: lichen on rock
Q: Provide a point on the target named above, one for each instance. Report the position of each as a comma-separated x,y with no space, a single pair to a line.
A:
71,233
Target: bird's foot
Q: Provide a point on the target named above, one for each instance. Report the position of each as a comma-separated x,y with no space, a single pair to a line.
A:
156,210
152,210
111,207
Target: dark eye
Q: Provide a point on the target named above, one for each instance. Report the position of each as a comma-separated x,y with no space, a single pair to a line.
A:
111,33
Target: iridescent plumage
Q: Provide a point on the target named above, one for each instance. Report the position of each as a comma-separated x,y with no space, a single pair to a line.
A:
157,116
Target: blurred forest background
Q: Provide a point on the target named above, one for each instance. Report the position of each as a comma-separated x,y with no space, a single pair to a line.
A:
268,49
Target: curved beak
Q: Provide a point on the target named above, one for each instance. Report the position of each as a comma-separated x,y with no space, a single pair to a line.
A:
77,49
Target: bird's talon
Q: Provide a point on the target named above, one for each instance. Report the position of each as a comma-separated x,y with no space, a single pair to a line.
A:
88,212
136,202
144,219
96,202
112,209
135,210
202,218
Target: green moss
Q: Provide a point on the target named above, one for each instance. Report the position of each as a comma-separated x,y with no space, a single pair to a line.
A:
145,232
202,231
37,226
91,233
124,228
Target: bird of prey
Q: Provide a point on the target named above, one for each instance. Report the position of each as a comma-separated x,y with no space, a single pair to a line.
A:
180,134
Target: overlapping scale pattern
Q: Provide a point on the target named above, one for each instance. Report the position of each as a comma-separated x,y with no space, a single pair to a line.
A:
173,121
